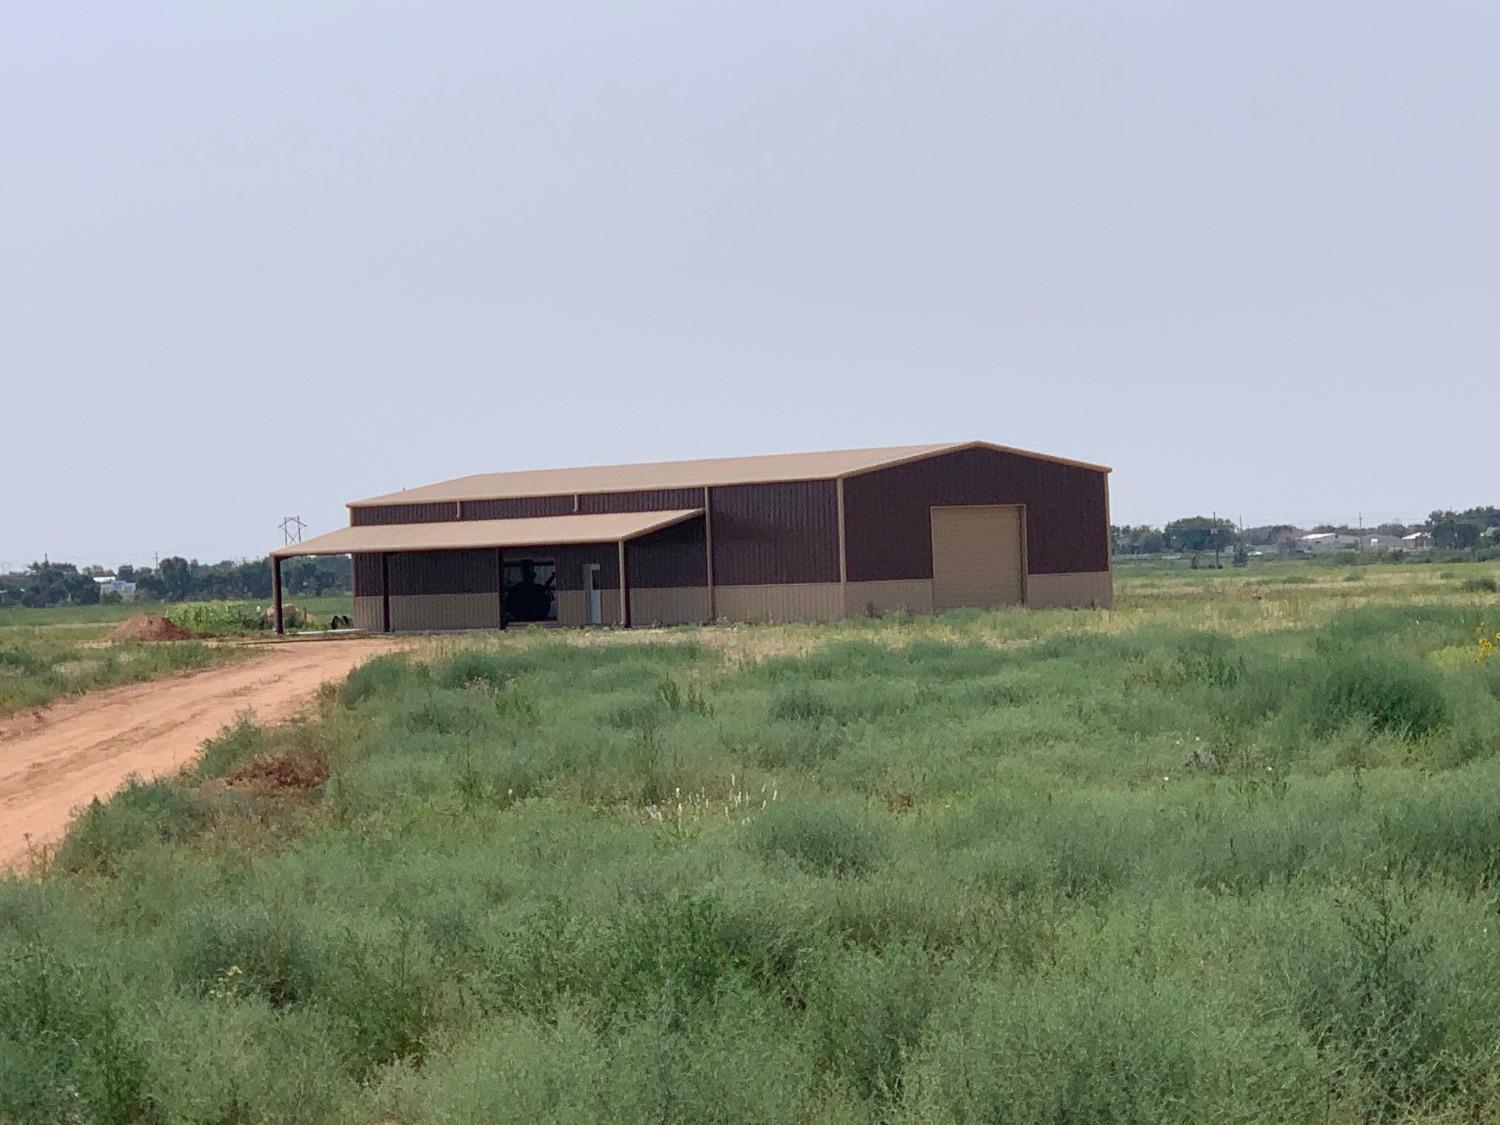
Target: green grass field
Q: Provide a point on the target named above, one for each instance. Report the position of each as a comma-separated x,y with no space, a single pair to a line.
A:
46,654
90,615
39,664
1226,853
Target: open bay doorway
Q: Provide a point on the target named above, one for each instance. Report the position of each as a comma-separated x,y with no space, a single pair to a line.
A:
528,590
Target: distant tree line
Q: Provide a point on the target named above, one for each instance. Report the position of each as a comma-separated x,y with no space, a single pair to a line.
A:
1459,531
1190,535
1452,531
176,579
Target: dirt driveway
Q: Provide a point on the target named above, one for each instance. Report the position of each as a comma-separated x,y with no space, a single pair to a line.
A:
54,760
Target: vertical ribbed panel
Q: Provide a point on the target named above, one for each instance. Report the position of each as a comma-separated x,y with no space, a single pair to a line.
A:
444,572
673,556
571,560
653,500
367,576
776,533
385,514
521,507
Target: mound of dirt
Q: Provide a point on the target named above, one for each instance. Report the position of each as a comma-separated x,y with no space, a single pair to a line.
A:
289,771
149,627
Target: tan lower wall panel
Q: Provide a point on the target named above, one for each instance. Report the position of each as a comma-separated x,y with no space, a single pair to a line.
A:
445,611
571,607
682,605
369,614
1089,588
911,595
807,601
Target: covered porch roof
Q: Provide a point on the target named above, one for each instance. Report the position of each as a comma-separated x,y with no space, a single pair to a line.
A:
537,531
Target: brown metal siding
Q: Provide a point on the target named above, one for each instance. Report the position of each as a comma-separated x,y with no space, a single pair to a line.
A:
445,572
656,500
571,560
775,533
524,507
887,529
366,576
385,514
671,557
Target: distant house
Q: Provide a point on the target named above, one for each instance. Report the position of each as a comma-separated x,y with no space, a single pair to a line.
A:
1322,542
1416,541
1379,542
109,584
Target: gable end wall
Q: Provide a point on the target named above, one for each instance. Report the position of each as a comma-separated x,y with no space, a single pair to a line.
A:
888,528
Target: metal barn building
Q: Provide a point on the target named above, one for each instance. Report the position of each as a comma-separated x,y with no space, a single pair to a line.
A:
792,537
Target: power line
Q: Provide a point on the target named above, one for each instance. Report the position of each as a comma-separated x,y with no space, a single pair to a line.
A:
291,530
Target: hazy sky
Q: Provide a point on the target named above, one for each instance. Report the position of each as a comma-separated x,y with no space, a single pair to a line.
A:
263,259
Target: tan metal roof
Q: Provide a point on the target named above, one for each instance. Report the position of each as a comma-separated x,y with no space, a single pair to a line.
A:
543,531
685,474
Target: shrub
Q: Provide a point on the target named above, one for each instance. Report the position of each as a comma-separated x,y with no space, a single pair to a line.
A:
679,699
1395,696
647,767
866,1011
803,746
230,748
1110,1047
639,715
800,704
822,837
1211,659
230,952
1362,999
445,712
227,618
375,679
1484,584
139,813
473,667
661,960
241,1060
383,992
65,1054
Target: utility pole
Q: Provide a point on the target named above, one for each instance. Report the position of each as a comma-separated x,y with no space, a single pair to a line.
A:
291,530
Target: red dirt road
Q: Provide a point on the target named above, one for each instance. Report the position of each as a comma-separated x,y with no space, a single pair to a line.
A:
54,760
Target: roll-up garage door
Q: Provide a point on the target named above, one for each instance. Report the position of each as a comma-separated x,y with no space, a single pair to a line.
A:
977,556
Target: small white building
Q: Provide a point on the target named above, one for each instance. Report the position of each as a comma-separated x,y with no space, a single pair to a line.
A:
1416,541
1321,542
109,584
1379,542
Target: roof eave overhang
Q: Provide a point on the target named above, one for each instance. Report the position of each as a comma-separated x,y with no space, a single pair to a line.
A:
392,498
304,550
959,447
